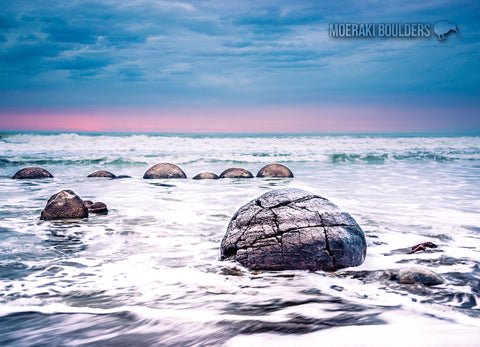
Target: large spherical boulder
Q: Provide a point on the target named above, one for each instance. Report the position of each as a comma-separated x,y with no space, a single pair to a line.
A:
292,229
206,176
32,172
102,173
164,170
275,170
236,173
64,205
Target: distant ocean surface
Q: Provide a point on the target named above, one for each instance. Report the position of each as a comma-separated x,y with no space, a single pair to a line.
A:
149,273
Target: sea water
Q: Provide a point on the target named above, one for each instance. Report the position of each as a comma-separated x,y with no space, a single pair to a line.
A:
149,273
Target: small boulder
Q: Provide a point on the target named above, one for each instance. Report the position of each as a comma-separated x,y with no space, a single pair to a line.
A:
292,229
164,170
418,275
102,173
64,205
32,172
275,170
96,207
206,176
236,173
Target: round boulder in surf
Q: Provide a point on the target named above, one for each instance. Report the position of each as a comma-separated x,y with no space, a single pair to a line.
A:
275,170
236,173
292,229
102,173
164,170
32,172
206,176
64,205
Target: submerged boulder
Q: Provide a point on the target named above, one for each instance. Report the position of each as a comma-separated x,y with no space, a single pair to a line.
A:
164,170
96,207
64,205
418,275
122,176
275,170
32,172
206,176
102,173
292,229
236,173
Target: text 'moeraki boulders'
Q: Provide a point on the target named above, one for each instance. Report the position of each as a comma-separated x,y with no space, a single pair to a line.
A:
102,173
275,170
32,172
292,229
164,170
235,172
64,205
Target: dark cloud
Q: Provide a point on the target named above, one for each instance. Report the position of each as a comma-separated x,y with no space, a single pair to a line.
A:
71,34
8,21
83,62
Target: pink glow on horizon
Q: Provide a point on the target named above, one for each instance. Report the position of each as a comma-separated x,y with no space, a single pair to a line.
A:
335,118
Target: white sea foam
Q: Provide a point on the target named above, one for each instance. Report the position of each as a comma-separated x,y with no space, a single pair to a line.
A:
151,266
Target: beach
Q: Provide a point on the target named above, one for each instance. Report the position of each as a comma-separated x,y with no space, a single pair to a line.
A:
149,272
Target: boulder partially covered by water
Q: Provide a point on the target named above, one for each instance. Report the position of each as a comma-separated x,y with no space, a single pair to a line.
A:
275,170
64,205
164,170
236,173
418,275
206,176
102,173
289,229
96,207
32,172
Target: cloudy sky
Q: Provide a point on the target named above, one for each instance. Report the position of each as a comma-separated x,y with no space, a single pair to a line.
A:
235,66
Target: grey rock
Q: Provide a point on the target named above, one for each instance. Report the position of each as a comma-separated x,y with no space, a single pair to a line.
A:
236,173
32,172
206,176
288,229
64,205
418,275
96,207
164,170
102,173
275,170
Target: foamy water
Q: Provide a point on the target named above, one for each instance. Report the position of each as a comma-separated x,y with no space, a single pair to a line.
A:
149,272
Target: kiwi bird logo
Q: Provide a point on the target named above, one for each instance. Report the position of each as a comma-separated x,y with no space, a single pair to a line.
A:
443,27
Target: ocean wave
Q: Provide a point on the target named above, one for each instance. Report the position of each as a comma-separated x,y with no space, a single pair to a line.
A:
5,161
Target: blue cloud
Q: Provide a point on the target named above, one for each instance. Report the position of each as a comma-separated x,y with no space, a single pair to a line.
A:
245,52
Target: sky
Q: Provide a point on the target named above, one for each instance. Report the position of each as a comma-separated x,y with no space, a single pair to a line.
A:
235,66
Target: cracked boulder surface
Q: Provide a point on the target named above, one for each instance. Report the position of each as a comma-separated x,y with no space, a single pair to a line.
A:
292,229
